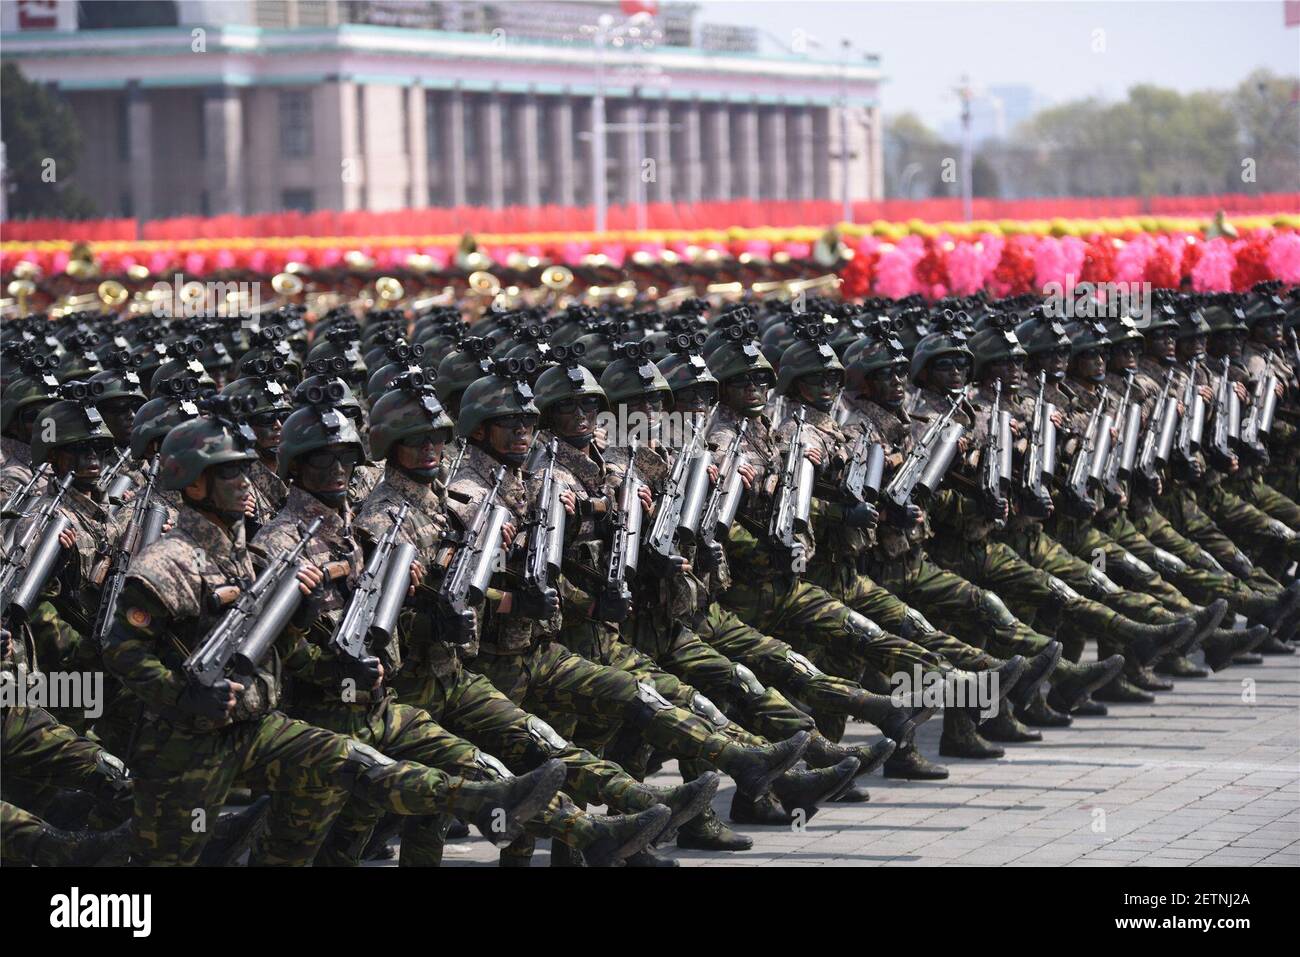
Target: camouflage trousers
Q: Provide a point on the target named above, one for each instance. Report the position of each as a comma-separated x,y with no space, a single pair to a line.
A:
1032,593
182,778
1268,541
1201,584
1088,541
895,616
840,640
549,679
20,835
40,754
1180,506
975,614
777,665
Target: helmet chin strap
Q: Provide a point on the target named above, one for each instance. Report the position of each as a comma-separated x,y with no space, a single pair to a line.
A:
422,476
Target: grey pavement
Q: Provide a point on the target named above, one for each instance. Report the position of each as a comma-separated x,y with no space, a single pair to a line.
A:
1208,775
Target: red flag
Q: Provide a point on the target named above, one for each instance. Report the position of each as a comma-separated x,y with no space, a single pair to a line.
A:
633,7
1292,12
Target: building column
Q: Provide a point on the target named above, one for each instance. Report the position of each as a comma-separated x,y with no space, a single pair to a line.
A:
417,161
803,146
527,159
223,125
691,184
629,151
821,178
661,150
562,167
493,160
775,171
746,155
876,154
717,152
139,121
453,148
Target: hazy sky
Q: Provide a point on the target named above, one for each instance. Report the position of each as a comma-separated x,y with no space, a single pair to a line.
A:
925,47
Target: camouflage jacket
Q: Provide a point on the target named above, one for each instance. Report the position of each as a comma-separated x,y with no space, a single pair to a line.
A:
500,634
955,507
269,492
168,607
748,548
892,428
423,651
15,466
1259,361
311,662
586,473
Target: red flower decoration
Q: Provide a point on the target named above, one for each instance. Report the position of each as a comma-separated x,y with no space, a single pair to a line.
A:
1252,265
1160,270
1098,262
1015,269
932,270
856,275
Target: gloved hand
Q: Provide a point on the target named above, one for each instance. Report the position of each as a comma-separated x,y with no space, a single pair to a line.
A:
458,628
215,702
527,604
611,606
365,672
861,515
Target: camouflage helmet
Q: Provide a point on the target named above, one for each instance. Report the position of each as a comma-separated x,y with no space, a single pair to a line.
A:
504,392
996,342
267,395
190,370
1225,315
1042,333
568,380
633,373
1163,314
408,409
466,365
1123,330
736,355
947,339
68,422
805,357
383,377
1192,323
25,391
311,428
197,444
119,384
684,366
324,390
1085,335
877,353
776,338
155,419
1265,304
599,351
274,361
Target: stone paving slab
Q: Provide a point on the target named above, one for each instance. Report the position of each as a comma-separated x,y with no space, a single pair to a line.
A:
1205,776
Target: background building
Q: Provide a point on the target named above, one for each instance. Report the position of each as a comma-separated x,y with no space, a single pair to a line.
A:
224,107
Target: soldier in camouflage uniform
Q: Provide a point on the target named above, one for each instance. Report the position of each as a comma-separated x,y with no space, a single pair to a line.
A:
270,408
21,403
196,739
410,430
517,648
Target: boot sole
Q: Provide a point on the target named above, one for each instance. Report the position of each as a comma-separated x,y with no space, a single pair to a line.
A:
764,783
692,810
651,827
534,802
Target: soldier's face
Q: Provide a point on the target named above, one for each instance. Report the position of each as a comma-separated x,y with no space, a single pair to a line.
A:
266,426
1161,345
947,373
227,490
888,387
1054,363
575,419
327,473
420,455
509,437
818,389
1124,357
651,406
1268,332
1191,347
747,394
83,459
696,398
118,415
1090,366
1010,371
1222,344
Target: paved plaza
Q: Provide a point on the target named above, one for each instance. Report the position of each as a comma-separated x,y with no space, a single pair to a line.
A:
1205,776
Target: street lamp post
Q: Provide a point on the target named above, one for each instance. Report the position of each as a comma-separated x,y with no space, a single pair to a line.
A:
598,185
846,211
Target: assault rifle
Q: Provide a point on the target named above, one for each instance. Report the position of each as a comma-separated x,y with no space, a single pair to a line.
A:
724,500
925,466
792,503
625,546
1227,421
142,528
27,566
545,524
1119,462
1259,421
240,640
1085,470
471,567
1158,439
995,467
380,592
681,506
1040,456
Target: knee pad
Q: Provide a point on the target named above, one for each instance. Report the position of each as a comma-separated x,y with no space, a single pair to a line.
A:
1135,566
1168,564
1101,581
1278,529
1207,562
1062,593
491,767
707,710
647,703
110,767
806,669
361,764
861,628
993,611
745,683
546,741
915,625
